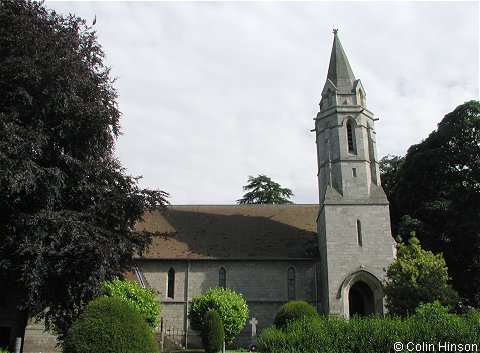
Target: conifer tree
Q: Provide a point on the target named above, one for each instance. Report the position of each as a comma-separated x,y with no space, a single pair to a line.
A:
264,190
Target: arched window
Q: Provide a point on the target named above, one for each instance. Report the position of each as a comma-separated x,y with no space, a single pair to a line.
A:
291,283
171,283
359,233
222,278
351,137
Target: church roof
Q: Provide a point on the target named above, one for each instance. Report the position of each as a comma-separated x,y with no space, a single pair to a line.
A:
233,232
339,71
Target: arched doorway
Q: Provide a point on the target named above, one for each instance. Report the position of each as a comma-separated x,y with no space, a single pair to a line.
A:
360,300
361,294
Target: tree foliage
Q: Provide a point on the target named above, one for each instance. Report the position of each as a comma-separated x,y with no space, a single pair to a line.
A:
389,168
416,276
292,311
212,332
437,194
430,324
264,190
231,307
141,299
109,325
67,208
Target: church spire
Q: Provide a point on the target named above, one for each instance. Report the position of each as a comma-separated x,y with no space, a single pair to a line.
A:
339,71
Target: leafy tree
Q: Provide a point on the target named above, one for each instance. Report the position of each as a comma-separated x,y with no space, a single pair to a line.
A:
438,189
109,325
212,332
67,207
416,276
389,168
264,190
141,299
231,307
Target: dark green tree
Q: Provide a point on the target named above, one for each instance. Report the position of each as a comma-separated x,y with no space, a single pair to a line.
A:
437,194
213,334
264,190
416,276
389,168
67,208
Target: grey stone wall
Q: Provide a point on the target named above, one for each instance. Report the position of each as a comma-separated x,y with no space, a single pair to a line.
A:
343,254
36,340
263,284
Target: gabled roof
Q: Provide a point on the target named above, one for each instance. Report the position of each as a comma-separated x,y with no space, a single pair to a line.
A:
234,232
339,71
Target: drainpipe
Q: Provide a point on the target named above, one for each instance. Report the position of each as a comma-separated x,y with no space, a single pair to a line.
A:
186,304
316,286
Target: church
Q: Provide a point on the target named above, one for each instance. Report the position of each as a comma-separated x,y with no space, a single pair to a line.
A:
331,255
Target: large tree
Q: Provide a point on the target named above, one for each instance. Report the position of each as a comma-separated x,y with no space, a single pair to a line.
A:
67,208
263,190
416,276
437,194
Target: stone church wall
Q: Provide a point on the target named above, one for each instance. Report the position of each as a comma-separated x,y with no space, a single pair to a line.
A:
344,255
263,284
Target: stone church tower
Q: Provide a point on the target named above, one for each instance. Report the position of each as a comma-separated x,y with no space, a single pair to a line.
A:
355,240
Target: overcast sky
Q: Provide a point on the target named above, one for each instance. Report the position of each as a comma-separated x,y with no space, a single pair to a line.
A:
212,92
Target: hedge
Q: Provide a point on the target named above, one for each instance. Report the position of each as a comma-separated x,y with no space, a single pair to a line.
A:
430,324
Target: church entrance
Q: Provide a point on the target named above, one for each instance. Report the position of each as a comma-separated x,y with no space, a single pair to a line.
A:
360,300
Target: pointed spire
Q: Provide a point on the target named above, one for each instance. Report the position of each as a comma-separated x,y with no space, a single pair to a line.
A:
339,70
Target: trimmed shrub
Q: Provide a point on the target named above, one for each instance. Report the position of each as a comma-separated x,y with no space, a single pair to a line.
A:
231,307
142,300
292,311
109,325
212,332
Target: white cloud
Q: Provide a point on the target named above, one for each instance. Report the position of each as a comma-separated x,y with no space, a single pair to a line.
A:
212,92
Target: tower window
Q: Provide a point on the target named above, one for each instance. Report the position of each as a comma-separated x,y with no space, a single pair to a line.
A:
350,137
222,278
291,283
171,283
359,233
354,172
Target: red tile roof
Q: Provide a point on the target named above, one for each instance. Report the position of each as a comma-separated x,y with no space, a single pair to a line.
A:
233,232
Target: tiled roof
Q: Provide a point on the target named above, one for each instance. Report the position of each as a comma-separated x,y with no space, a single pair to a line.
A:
233,232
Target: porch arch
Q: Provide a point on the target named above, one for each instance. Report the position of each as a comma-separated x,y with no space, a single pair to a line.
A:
361,293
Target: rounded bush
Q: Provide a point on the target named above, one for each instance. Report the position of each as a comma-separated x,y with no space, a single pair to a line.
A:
109,325
231,307
292,311
212,332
